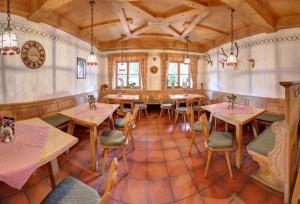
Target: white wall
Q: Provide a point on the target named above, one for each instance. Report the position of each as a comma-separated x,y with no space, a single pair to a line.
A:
58,75
277,58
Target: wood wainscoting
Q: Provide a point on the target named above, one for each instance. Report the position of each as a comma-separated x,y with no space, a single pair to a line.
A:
27,110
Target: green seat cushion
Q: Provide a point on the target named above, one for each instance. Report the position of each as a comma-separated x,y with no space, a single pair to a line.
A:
112,138
263,143
220,140
127,110
166,105
57,120
72,191
197,127
180,109
270,117
119,122
141,106
196,107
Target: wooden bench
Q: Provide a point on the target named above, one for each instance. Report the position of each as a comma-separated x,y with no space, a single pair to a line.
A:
268,150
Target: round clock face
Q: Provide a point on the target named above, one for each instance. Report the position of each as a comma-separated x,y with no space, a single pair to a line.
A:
153,69
33,54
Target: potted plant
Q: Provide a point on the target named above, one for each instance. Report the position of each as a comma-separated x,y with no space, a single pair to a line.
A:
231,101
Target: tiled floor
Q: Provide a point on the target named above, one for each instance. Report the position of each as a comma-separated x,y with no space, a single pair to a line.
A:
161,171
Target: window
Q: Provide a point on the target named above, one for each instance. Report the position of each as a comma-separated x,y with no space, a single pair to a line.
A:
128,75
177,74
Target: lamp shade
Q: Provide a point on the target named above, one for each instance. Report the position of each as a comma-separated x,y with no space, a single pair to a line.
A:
231,60
187,60
9,44
92,60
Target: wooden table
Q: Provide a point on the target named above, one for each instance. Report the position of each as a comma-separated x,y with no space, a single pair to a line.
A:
90,120
238,120
57,142
185,97
122,97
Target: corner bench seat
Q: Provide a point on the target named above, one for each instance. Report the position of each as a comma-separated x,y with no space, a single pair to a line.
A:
270,117
57,120
263,143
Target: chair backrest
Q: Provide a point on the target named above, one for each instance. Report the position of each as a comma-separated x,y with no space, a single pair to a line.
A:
190,113
129,124
135,112
204,124
161,98
145,99
110,182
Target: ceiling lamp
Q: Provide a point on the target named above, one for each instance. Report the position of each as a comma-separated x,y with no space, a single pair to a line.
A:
123,64
8,39
187,59
232,58
92,59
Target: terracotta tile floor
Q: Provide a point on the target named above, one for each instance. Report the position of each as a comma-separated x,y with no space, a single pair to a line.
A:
161,171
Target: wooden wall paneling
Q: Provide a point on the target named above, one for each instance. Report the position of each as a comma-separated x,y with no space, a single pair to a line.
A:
292,109
50,108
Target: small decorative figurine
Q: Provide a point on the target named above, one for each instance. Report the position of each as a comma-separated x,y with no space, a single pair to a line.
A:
231,101
92,102
7,131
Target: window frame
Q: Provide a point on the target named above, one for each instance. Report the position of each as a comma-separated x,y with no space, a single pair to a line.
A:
127,75
178,74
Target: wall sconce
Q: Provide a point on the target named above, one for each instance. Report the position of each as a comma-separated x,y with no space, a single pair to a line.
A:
252,62
208,59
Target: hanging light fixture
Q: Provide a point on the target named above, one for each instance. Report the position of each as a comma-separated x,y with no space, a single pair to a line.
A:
123,64
187,59
92,59
232,58
8,39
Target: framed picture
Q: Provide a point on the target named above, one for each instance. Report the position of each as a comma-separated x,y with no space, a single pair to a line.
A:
81,68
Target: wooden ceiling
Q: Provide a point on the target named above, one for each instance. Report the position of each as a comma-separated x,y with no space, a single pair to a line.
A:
161,24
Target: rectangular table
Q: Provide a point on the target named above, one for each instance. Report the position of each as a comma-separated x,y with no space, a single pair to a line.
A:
83,116
55,143
185,97
122,97
236,119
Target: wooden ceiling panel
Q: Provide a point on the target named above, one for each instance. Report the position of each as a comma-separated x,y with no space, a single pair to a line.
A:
161,23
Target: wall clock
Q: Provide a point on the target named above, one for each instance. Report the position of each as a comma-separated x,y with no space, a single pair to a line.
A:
153,69
33,54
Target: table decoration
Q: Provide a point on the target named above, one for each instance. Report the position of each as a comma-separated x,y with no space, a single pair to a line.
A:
7,132
92,102
231,101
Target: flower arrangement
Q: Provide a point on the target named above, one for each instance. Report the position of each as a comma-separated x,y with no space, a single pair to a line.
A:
92,102
231,101
7,131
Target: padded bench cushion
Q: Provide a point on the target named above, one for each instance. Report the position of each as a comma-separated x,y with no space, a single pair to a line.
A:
263,143
57,120
270,117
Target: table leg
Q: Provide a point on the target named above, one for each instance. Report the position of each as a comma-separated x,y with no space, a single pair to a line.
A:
239,140
254,127
53,172
71,126
93,148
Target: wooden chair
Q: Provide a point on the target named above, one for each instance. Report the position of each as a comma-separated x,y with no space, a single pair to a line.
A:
196,105
195,127
143,105
181,110
216,142
164,106
115,139
119,123
71,190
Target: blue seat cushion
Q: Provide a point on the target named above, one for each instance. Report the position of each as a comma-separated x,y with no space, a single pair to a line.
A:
72,191
119,122
270,117
220,140
263,143
196,107
141,106
197,127
166,105
181,109
57,120
112,138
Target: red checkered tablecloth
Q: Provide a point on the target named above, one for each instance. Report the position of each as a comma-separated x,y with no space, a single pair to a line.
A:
19,159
